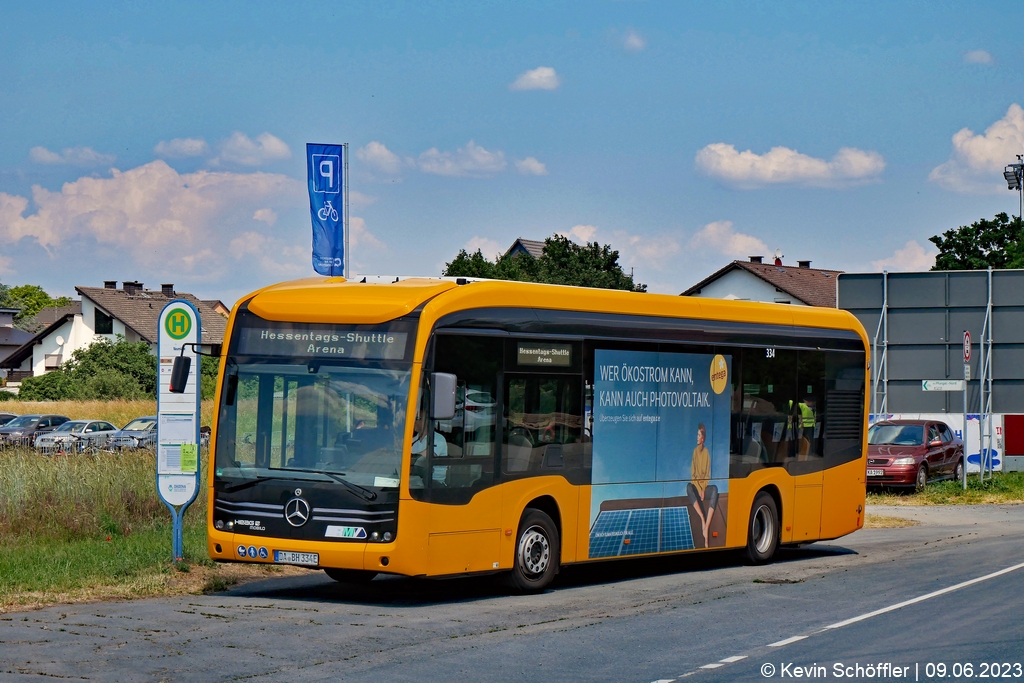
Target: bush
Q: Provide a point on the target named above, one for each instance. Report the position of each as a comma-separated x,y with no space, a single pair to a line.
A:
104,370
53,386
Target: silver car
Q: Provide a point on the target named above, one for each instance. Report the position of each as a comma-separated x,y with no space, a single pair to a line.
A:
75,436
139,433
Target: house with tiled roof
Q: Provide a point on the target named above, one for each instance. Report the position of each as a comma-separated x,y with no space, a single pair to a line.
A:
775,282
10,336
534,248
107,312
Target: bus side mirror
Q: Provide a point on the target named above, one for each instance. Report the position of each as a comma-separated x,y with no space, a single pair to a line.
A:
443,400
179,374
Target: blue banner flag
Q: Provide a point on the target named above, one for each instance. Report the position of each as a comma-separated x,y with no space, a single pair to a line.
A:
325,165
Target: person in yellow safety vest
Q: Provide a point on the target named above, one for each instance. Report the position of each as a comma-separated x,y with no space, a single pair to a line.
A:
807,419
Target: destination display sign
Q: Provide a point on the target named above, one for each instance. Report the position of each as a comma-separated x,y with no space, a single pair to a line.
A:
328,342
942,385
559,355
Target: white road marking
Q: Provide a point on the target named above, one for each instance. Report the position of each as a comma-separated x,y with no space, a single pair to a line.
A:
787,641
854,620
922,598
664,680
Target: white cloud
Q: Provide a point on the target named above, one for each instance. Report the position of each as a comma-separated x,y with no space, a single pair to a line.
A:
377,156
5,265
359,236
656,252
72,156
491,249
471,160
181,148
530,166
977,57
360,200
270,255
633,41
912,257
541,78
242,150
268,216
782,165
977,161
581,233
720,236
152,215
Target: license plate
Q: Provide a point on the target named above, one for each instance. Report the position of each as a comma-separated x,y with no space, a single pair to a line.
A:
876,473
289,557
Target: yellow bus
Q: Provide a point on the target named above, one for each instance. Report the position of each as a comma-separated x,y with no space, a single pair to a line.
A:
434,427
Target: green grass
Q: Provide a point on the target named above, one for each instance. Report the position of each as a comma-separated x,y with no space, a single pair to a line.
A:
1001,488
137,562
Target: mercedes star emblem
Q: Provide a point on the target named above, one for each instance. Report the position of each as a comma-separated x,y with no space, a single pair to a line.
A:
296,512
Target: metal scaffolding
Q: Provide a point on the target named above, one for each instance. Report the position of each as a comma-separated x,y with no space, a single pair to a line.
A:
880,362
985,435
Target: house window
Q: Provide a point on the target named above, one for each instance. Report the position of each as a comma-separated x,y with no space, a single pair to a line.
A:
104,323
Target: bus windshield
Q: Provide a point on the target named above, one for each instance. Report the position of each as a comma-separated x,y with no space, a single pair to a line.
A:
288,418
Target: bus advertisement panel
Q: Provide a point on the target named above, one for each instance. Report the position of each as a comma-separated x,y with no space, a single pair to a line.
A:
661,452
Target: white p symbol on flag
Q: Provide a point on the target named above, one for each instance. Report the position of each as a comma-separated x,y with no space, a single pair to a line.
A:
327,171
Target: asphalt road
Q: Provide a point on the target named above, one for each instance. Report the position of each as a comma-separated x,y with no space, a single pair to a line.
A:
634,621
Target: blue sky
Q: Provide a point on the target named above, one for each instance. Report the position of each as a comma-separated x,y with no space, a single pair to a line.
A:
683,134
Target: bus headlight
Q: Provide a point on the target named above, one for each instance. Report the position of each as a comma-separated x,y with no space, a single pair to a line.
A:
219,524
387,535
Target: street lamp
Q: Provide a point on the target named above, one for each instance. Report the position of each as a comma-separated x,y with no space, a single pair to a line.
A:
1014,174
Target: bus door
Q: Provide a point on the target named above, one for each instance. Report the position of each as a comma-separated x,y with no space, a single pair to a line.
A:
457,471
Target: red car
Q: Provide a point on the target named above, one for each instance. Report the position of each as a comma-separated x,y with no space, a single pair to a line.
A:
912,453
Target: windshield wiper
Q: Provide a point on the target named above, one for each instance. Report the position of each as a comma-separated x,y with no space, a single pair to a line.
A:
247,484
363,493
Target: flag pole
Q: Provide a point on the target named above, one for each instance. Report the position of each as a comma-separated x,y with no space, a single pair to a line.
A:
348,261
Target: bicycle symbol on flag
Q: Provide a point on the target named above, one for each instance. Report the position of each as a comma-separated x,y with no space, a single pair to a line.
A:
327,210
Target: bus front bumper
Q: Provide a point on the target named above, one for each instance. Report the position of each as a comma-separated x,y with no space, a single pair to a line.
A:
231,547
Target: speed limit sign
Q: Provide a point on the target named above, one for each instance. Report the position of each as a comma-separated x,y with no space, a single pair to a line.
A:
967,346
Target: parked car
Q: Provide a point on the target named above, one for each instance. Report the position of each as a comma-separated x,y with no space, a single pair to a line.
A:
6,417
139,433
910,453
76,435
23,430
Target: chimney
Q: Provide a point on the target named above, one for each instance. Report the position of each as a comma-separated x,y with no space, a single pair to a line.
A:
110,284
756,259
804,264
132,288
167,290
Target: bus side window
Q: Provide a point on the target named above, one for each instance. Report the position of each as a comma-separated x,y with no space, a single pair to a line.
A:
543,424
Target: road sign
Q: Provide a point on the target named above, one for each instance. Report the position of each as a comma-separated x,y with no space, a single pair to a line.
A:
177,448
942,385
967,346
967,372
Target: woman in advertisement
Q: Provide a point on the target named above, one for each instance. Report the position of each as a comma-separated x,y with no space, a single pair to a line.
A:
703,495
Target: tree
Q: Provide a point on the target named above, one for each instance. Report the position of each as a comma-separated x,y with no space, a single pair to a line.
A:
563,262
30,299
984,243
104,370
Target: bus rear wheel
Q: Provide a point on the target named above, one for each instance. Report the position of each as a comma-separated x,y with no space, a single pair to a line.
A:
536,553
350,575
763,530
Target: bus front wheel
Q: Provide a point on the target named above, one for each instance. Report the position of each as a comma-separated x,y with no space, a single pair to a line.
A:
763,529
350,575
536,553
